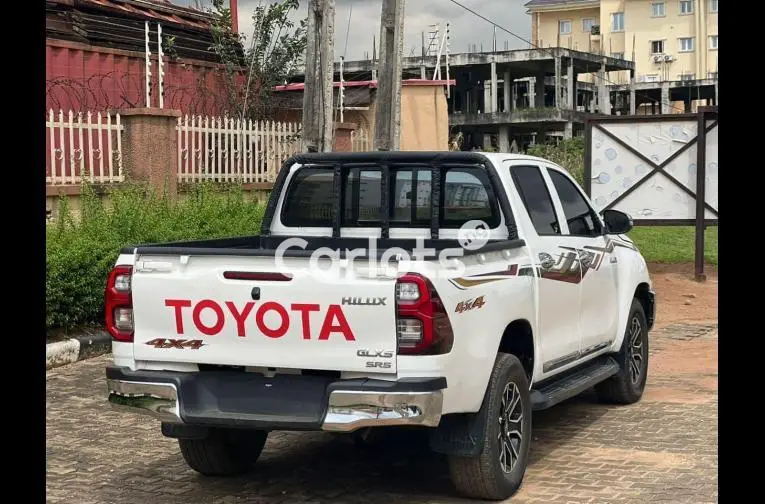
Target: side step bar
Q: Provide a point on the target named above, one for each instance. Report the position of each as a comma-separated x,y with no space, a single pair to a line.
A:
573,384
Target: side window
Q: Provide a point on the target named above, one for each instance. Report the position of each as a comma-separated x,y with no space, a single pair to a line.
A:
309,199
581,218
467,196
536,198
362,197
410,200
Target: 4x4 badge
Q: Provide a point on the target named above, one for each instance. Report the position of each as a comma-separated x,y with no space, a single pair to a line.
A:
176,343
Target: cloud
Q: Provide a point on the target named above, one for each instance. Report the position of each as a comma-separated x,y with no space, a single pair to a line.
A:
465,28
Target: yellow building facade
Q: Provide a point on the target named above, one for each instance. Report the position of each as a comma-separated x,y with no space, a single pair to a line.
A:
668,40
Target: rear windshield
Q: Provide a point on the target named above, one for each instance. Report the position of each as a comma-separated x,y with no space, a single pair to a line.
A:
466,194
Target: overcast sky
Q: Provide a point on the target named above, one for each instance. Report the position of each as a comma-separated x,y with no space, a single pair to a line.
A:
465,28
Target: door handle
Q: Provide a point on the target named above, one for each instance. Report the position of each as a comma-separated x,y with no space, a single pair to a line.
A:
614,260
546,261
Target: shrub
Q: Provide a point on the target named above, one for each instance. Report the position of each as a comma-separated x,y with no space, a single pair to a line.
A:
80,252
569,154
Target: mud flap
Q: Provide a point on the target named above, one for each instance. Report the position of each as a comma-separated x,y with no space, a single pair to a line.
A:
461,434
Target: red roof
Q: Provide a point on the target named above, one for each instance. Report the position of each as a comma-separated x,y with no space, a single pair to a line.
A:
300,86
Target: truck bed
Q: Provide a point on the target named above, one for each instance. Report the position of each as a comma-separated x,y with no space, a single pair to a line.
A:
265,246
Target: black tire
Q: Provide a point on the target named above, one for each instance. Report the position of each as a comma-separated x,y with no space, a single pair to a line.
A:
483,476
627,386
224,452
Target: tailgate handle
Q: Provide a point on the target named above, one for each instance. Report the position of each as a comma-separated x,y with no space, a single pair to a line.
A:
146,266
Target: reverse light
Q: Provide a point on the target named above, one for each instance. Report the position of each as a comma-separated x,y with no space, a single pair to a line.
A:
123,319
422,324
118,299
409,331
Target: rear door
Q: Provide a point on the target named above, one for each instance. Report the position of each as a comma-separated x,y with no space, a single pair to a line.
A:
556,268
240,311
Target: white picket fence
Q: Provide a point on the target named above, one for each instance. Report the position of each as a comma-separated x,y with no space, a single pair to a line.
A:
360,141
225,149
83,147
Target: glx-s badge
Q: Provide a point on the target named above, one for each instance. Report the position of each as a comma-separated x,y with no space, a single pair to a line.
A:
376,354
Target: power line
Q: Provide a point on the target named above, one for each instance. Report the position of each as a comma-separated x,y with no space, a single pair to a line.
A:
605,79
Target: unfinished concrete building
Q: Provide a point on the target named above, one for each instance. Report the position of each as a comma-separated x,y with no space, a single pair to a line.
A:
512,98
498,102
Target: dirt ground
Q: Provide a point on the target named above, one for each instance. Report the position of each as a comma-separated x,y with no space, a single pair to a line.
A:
679,298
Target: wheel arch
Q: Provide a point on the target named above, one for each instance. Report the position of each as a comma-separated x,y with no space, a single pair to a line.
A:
518,339
643,293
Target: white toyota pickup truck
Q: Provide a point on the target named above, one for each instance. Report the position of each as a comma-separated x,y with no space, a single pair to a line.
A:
457,292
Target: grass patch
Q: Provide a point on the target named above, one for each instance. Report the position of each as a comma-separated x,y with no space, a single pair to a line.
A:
671,245
81,252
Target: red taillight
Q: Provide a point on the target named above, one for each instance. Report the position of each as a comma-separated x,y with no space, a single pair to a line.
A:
422,325
119,303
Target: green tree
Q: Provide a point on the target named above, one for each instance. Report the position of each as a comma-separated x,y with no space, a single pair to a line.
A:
274,51
569,154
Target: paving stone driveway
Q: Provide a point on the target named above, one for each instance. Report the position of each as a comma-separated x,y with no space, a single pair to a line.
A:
663,449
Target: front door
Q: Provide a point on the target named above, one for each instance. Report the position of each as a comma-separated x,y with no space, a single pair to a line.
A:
583,234
556,269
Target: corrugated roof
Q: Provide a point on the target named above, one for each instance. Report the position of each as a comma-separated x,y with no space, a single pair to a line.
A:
153,10
120,24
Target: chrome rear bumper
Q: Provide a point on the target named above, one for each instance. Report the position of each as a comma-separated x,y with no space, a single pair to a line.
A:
344,410
159,400
351,410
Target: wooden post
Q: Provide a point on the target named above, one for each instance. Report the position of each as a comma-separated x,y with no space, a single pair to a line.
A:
319,77
388,101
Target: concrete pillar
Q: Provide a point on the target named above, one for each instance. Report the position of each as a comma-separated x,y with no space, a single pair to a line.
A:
539,88
507,88
486,141
504,138
568,130
514,97
532,93
486,97
423,75
717,92
604,98
494,98
633,105
571,85
665,104
150,147
558,81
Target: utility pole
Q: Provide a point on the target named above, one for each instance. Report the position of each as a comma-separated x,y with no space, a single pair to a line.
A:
388,114
319,76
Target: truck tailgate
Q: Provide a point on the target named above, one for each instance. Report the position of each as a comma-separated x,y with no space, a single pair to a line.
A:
240,311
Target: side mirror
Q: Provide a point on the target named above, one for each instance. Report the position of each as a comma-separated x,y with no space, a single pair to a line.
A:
617,222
